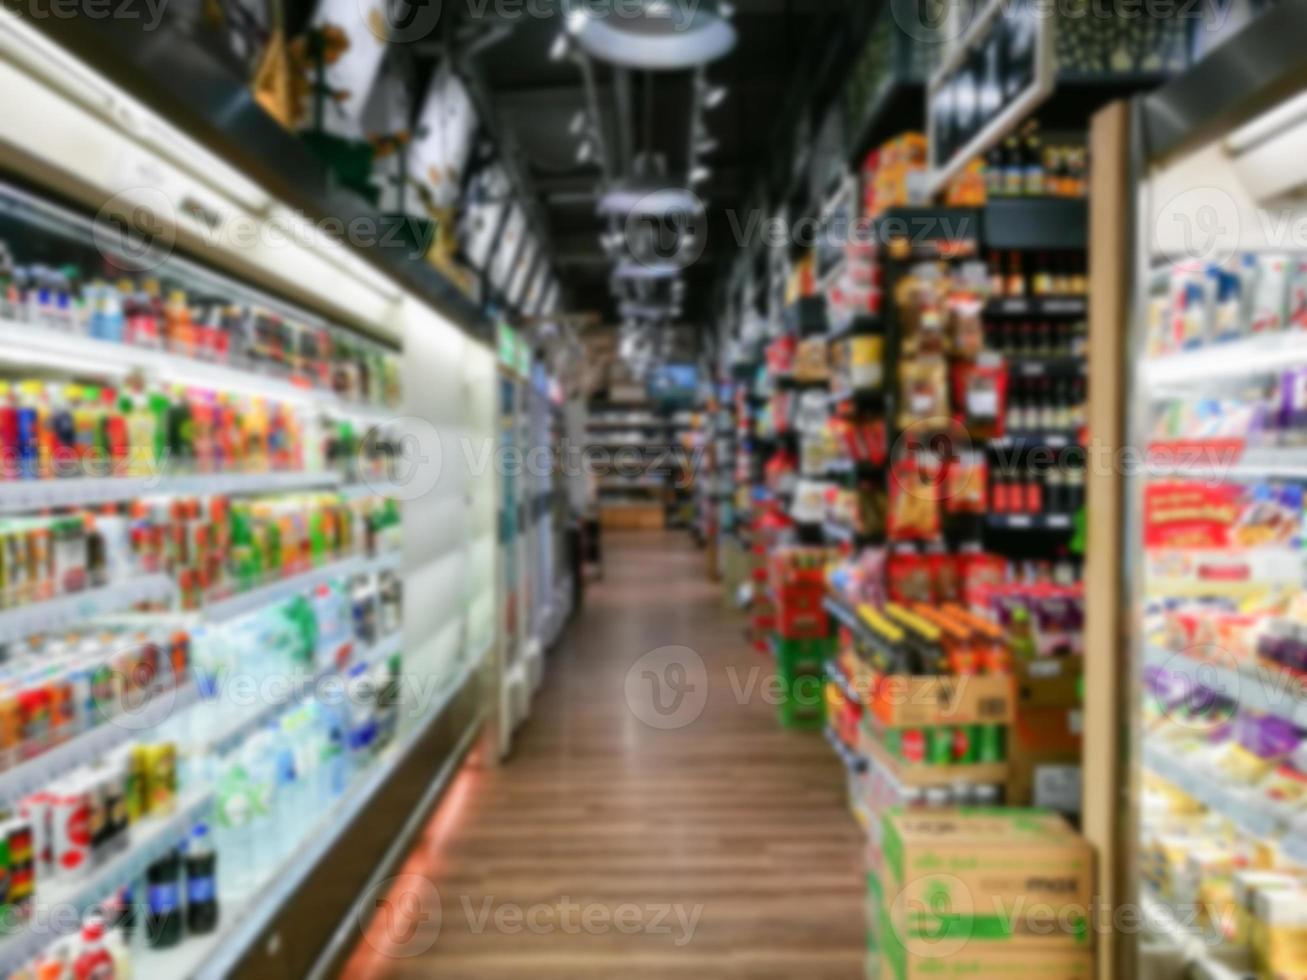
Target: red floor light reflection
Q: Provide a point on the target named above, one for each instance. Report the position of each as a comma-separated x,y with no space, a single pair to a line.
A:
402,915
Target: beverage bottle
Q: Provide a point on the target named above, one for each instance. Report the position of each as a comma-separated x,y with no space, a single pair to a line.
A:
1014,168
1034,165
93,960
69,311
63,432
116,942
163,913
178,328
201,883
114,437
1016,278
29,433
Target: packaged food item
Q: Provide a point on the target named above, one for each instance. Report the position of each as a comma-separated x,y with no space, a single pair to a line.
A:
1269,295
916,486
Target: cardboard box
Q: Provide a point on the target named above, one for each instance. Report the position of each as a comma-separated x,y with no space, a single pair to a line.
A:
970,878
1049,682
992,963
902,701
1044,743
1044,746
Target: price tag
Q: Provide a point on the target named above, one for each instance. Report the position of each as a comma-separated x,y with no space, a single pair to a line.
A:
1018,521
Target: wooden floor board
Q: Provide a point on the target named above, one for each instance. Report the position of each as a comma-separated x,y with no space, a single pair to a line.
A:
729,822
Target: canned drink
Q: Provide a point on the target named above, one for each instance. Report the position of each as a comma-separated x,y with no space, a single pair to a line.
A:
97,820
940,745
988,794
991,743
963,793
964,744
912,745
138,803
70,823
115,806
22,870
36,810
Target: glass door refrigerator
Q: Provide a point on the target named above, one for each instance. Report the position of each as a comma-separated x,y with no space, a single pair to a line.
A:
1196,706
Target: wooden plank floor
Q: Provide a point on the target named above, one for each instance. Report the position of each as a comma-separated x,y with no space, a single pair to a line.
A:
720,846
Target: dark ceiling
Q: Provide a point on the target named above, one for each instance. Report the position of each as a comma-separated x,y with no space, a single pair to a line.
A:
533,98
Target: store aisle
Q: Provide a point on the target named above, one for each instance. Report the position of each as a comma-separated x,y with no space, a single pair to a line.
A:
610,848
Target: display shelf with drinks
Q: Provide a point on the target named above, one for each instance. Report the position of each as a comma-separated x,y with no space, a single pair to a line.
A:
70,295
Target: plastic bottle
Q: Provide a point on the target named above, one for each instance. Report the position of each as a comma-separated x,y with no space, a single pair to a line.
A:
93,960
201,883
163,915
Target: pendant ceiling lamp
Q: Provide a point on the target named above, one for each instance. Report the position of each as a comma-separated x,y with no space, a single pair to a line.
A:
669,35
649,199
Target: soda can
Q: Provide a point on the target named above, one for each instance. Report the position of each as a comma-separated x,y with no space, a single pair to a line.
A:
991,743
964,744
22,865
963,793
911,796
98,813
70,823
115,806
988,794
37,811
912,745
939,742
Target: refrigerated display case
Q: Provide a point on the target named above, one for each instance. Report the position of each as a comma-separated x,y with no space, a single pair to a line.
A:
1194,766
227,472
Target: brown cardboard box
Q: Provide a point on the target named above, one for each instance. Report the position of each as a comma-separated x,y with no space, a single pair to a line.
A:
977,962
971,878
901,701
1044,743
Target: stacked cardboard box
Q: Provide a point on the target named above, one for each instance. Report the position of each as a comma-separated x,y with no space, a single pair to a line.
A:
981,892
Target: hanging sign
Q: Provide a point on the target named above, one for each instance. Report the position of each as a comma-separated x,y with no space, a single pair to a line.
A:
1000,70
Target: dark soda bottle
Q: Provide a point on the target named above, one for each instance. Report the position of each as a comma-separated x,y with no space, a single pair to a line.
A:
201,882
163,913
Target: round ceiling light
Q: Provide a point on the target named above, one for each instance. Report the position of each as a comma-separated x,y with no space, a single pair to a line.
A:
629,269
656,35
644,199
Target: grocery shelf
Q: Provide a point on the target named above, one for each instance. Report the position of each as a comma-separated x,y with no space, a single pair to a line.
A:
1030,522
852,761
30,775
1251,817
848,617
18,496
1037,306
24,344
841,681
215,956
150,839
244,723
1257,354
1286,462
1259,690
247,602
1199,952
1035,440
54,615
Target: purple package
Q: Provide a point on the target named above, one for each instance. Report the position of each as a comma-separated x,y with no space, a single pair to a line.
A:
1266,736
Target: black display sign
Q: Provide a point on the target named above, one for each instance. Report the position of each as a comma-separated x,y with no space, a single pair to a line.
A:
1001,69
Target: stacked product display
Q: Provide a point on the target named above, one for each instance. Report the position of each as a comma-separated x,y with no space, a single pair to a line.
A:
201,600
